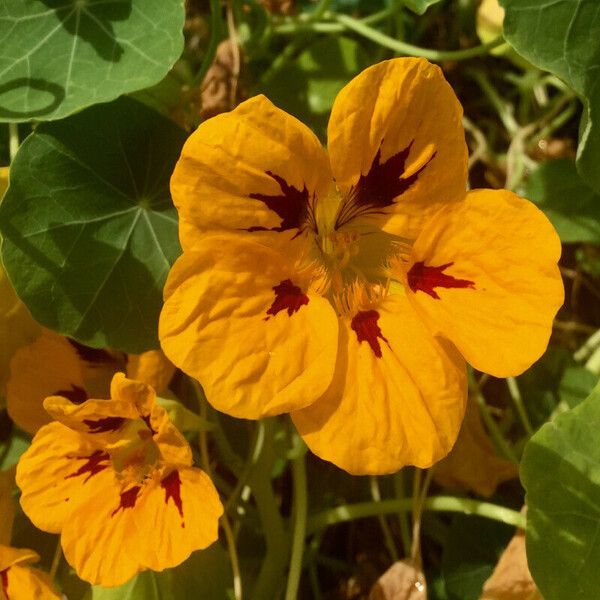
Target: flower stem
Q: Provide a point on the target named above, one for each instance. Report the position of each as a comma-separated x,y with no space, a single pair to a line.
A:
299,528
56,560
215,34
402,516
515,394
387,534
361,510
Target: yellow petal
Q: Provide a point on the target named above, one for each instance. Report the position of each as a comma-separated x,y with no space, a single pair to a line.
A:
46,367
26,583
484,275
241,320
396,142
254,171
7,505
151,367
154,525
10,556
397,397
511,579
473,463
59,469
17,327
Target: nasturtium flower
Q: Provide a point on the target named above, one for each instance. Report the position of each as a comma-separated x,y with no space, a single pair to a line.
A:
18,580
54,365
348,286
115,478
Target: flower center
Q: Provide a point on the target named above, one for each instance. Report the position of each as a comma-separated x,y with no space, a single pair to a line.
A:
136,453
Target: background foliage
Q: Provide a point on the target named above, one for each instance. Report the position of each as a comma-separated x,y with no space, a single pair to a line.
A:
89,232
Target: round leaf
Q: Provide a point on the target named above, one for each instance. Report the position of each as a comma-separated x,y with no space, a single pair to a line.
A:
58,56
89,228
561,473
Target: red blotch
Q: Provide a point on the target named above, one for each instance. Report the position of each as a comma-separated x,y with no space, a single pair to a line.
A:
364,324
76,395
128,499
425,279
146,420
292,206
377,189
104,425
4,578
92,466
287,296
91,355
172,486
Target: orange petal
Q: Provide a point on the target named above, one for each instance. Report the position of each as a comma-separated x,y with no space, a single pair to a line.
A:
26,583
48,366
254,171
484,275
240,319
151,367
59,469
397,146
397,397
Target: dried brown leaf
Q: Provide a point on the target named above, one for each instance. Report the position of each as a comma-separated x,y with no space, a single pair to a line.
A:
402,581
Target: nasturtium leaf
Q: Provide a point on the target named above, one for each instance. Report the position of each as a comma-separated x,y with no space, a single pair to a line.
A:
58,56
563,37
560,471
89,229
576,385
420,6
571,205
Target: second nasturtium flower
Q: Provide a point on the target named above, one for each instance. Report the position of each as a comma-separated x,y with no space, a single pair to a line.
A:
115,479
349,286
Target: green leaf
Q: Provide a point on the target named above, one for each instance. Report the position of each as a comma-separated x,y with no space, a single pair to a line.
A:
89,228
572,206
308,87
58,56
576,385
560,471
420,6
206,574
563,37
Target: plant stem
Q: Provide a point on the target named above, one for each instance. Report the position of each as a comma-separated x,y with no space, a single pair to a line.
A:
387,534
56,560
361,510
215,34
13,140
515,394
402,516
299,530
409,49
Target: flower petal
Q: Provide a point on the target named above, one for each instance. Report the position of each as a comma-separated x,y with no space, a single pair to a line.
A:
59,469
397,146
484,275
10,556
240,319
255,171
7,505
49,366
151,367
25,583
156,525
397,397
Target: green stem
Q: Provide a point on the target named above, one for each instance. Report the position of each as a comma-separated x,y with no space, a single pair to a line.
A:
500,105
387,534
56,560
515,394
361,510
282,59
321,9
299,531
409,49
13,140
215,34
293,26
403,516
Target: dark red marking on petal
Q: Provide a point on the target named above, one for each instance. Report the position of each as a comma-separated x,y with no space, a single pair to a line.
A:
4,578
91,355
76,395
364,324
377,189
146,420
92,466
128,499
287,296
425,279
293,206
172,486
105,424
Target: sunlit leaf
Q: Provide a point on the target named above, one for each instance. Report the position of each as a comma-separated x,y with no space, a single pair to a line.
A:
572,206
563,36
89,228
58,56
561,473
420,6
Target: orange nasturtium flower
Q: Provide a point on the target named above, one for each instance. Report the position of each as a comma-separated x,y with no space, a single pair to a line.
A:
115,479
18,581
54,365
348,287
